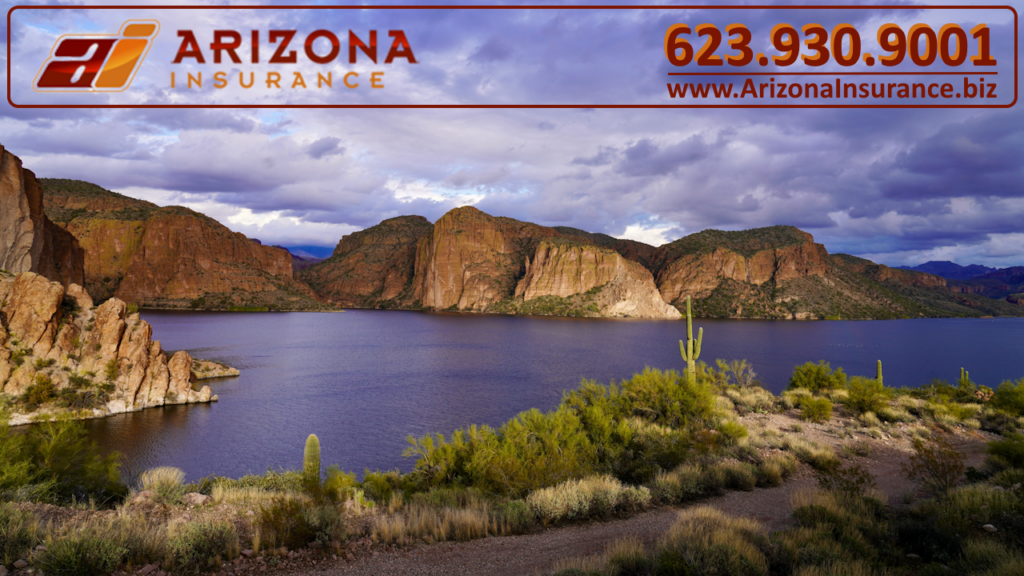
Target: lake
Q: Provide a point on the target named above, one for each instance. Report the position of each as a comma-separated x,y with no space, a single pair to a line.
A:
364,380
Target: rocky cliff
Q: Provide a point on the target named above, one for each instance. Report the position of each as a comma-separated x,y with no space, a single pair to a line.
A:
59,353
29,241
611,284
472,260
372,268
171,256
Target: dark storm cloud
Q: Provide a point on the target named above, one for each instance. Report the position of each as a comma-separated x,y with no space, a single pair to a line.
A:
863,181
645,158
326,146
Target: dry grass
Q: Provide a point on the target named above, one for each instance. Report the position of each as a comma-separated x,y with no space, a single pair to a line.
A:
709,542
817,456
433,525
592,496
247,496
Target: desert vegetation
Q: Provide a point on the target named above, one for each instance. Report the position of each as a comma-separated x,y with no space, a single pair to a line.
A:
660,438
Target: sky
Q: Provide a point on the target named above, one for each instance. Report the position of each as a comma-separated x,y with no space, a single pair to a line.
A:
900,187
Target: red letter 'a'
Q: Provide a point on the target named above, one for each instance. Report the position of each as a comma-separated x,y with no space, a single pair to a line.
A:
189,48
399,48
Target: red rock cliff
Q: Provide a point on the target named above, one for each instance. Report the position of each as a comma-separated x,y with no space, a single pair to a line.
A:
29,241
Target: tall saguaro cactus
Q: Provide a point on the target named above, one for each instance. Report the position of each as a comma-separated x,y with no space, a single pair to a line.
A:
691,350
879,377
311,459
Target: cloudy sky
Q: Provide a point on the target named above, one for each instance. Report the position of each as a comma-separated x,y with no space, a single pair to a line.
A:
896,186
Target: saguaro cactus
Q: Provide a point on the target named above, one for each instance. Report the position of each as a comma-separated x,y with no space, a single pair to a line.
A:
691,350
879,377
965,377
311,459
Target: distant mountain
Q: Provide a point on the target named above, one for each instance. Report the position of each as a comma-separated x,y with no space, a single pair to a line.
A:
170,257
951,270
469,261
308,251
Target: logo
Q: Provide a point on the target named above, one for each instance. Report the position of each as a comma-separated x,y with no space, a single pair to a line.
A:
97,63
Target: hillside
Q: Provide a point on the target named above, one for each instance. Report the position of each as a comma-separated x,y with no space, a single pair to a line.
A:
951,270
472,262
170,257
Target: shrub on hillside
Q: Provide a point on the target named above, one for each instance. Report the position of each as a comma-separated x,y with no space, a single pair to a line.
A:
19,534
817,377
935,464
1007,452
815,409
166,483
865,395
1009,396
200,546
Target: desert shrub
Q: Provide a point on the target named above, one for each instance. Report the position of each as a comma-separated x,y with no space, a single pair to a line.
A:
1008,478
282,523
271,481
816,409
775,468
54,462
817,377
732,431
869,419
19,534
81,555
1009,396
819,457
738,373
166,483
851,481
935,464
41,391
42,363
705,541
514,517
964,510
895,414
1008,452
865,395
596,496
739,475
200,546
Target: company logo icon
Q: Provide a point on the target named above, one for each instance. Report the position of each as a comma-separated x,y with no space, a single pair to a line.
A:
97,63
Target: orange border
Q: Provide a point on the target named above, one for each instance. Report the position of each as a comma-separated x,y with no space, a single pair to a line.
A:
523,7
119,34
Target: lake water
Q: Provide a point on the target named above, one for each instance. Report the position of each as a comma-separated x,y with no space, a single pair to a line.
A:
364,380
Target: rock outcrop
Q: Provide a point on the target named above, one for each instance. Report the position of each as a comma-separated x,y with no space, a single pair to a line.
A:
621,287
372,268
697,264
171,257
60,353
472,259
29,241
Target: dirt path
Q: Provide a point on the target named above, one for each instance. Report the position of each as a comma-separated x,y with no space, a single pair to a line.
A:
536,553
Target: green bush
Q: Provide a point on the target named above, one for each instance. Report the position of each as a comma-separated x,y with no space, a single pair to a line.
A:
1008,452
852,481
816,409
817,377
166,483
732,431
292,523
19,534
40,392
865,395
54,462
705,541
199,546
81,555
1009,396
936,464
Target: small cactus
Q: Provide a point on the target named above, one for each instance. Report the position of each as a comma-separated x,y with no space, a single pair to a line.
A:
689,352
879,372
311,458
